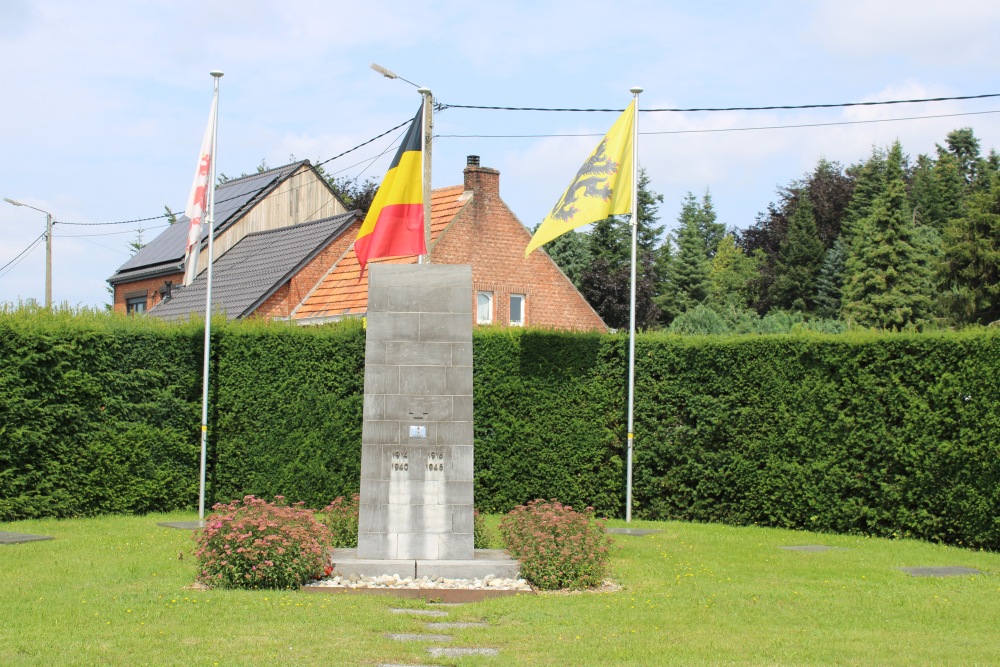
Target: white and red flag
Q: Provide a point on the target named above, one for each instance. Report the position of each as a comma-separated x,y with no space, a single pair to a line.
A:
196,204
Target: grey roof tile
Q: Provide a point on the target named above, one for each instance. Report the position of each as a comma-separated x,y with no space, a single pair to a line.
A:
253,269
231,199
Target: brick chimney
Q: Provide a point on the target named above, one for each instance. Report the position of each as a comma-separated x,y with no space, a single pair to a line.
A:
481,180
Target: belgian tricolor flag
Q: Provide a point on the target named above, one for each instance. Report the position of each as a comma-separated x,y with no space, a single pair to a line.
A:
394,225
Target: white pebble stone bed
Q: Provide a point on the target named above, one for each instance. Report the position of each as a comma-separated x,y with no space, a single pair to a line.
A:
395,581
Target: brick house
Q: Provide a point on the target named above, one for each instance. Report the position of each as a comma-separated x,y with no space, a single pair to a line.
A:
266,274
276,198
470,224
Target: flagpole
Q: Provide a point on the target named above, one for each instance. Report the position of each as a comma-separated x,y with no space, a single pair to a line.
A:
426,160
631,326
216,75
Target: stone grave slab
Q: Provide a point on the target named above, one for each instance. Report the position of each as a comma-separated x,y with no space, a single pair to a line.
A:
441,652
420,612
457,625
414,637
182,525
813,548
940,571
634,532
21,538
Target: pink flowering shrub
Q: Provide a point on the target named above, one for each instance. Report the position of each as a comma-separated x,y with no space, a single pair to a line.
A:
341,517
557,546
252,543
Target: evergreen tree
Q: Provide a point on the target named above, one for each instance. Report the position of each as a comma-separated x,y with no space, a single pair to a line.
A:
710,230
687,272
799,260
830,281
570,252
950,189
732,277
888,282
869,182
964,146
972,258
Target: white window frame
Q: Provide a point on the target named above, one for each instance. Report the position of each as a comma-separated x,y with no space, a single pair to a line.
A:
524,301
481,317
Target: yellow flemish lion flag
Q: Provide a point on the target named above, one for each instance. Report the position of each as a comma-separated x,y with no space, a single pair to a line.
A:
602,187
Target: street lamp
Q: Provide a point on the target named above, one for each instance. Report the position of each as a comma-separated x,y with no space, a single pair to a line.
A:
48,249
428,130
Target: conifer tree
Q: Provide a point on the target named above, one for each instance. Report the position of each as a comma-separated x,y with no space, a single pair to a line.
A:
869,182
733,276
687,272
709,228
888,282
972,258
799,260
830,281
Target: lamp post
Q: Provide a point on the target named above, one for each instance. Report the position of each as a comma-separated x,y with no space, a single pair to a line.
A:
426,152
48,249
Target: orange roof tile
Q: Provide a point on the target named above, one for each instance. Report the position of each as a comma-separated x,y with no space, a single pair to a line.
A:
341,293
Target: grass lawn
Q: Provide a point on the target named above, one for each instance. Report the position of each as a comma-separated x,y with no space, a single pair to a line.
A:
113,591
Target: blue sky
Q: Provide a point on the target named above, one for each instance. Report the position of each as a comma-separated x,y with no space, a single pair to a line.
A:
105,103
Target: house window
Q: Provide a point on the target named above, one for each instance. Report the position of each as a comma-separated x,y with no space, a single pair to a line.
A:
135,305
484,308
517,310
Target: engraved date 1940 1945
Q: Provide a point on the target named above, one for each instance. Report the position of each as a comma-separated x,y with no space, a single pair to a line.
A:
401,463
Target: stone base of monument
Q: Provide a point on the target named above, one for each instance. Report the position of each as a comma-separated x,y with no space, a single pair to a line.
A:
486,562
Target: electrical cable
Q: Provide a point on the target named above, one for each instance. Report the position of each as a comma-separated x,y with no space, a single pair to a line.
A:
21,255
698,109
318,164
720,129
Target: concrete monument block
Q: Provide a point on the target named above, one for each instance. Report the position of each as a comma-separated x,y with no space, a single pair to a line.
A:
416,455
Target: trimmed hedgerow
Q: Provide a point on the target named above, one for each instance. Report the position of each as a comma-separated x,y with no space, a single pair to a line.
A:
556,546
98,414
883,434
252,543
289,411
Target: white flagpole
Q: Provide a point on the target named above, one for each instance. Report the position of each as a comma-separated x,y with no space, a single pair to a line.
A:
631,326
216,74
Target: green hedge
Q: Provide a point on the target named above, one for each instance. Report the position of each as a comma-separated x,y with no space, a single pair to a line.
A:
878,434
96,415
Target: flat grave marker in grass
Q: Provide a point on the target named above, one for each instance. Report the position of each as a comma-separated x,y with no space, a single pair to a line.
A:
812,548
417,637
950,571
634,532
182,525
21,538
439,652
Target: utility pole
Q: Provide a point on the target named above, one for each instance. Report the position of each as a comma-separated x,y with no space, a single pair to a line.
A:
428,133
48,249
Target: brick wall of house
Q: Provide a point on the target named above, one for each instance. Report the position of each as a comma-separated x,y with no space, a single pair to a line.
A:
149,285
487,235
294,292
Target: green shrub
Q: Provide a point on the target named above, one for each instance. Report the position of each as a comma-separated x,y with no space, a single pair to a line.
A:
556,546
252,543
482,536
341,517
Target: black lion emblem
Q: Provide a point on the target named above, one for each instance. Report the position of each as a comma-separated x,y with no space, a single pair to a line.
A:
590,181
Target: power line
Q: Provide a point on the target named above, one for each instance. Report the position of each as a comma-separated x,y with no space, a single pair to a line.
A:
694,109
720,129
318,164
21,255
